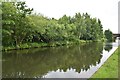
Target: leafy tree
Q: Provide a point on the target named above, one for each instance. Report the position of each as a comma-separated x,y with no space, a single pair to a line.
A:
21,26
108,35
8,10
15,22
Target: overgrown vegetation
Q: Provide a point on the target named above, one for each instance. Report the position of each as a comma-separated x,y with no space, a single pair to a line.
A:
21,26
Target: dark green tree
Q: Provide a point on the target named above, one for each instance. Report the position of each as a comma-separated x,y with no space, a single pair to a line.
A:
108,35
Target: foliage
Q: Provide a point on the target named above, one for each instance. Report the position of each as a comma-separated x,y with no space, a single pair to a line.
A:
21,26
109,35
16,25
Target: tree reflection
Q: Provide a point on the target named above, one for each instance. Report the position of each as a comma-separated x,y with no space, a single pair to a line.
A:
108,47
38,62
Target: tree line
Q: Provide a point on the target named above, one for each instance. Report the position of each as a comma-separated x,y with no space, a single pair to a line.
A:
20,25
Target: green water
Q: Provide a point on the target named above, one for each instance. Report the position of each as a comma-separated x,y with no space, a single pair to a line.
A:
40,62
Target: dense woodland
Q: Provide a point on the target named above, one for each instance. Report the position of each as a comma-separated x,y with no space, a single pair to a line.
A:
20,25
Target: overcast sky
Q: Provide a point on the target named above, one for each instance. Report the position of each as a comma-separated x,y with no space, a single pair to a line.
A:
105,10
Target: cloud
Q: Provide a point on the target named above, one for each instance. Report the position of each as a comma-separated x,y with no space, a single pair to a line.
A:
106,10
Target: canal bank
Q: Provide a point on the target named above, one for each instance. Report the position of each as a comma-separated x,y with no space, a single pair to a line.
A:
40,45
110,68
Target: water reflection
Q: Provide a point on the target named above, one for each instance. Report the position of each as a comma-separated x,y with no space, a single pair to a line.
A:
108,47
41,61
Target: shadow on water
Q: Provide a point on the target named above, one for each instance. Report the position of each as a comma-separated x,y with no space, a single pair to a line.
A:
38,62
108,47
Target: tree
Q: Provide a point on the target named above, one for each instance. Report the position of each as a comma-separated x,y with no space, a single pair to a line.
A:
8,10
108,35
20,26
16,24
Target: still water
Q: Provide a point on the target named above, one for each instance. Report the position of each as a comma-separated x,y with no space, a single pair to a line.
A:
75,61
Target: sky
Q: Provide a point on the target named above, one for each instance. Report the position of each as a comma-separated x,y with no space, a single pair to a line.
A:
105,10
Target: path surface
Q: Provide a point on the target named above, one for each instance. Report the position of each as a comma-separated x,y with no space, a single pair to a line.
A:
115,46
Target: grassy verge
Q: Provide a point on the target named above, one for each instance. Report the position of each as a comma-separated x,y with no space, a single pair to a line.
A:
110,68
37,45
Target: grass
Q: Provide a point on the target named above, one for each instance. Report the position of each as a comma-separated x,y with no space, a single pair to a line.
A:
110,68
37,45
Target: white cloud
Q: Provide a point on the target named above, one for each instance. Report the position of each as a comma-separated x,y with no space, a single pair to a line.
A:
106,10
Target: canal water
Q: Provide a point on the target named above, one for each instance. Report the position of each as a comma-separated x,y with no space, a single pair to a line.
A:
75,61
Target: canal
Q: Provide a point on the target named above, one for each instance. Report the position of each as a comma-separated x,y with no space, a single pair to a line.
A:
73,61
